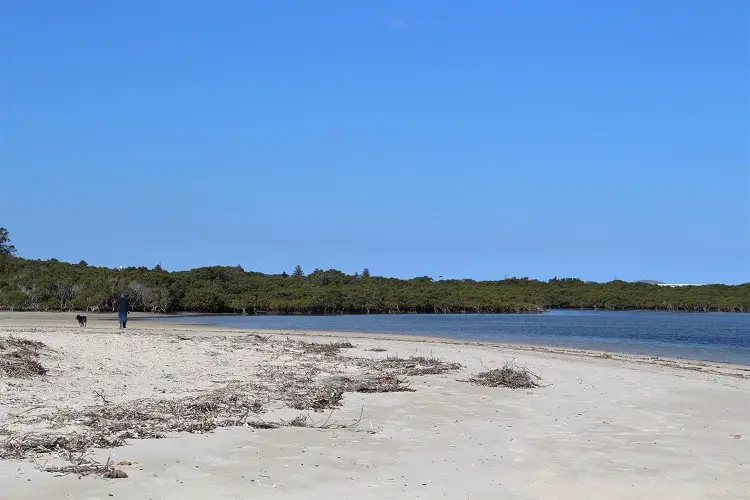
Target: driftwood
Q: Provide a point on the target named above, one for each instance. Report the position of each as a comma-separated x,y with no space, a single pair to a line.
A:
305,375
510,376
19,358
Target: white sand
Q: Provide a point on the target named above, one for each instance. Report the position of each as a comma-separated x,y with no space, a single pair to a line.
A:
621,428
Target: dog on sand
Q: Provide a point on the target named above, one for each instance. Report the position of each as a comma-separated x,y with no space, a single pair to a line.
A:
81,320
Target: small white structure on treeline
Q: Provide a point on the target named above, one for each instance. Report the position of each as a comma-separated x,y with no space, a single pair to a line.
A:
675,285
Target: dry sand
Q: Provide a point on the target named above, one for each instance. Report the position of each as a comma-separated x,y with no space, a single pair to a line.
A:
619,427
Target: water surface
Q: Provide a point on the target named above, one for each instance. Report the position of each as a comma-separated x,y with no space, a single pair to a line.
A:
723,337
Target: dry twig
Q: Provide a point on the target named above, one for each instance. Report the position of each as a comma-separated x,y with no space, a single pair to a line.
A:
416,365
510,376
19,358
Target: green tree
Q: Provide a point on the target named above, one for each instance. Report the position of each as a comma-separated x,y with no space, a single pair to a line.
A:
15,300
5,247
36,285
365,273
298,272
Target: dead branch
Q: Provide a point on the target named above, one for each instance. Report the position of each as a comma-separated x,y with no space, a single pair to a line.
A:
510,376
19,358
104,399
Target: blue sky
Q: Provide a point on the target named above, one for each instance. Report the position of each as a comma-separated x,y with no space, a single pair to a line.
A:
477,139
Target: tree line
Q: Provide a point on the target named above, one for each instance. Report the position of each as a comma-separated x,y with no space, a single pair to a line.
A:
50,285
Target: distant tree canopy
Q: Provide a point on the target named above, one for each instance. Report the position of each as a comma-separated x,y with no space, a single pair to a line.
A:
298,272
5,247
51,285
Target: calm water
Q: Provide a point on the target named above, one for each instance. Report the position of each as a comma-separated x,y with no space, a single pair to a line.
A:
704,336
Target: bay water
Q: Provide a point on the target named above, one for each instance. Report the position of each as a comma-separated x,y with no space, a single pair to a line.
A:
722,337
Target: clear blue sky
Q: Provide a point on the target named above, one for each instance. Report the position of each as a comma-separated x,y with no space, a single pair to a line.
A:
477,139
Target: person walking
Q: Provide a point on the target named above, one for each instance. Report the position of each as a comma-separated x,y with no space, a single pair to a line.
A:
123,305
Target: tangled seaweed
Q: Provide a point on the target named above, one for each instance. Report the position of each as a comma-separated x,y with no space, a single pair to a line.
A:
510,376
19,358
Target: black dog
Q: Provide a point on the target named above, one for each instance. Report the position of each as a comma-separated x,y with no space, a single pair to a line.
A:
81,320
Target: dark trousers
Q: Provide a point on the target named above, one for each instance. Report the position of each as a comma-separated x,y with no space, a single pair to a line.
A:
123,317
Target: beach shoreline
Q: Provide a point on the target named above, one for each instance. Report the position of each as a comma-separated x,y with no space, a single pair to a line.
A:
151,320
627,425
630,334
185,320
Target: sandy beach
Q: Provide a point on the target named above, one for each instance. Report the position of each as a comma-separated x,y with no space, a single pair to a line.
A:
599,426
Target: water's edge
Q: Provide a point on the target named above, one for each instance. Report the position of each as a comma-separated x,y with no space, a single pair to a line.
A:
713,337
